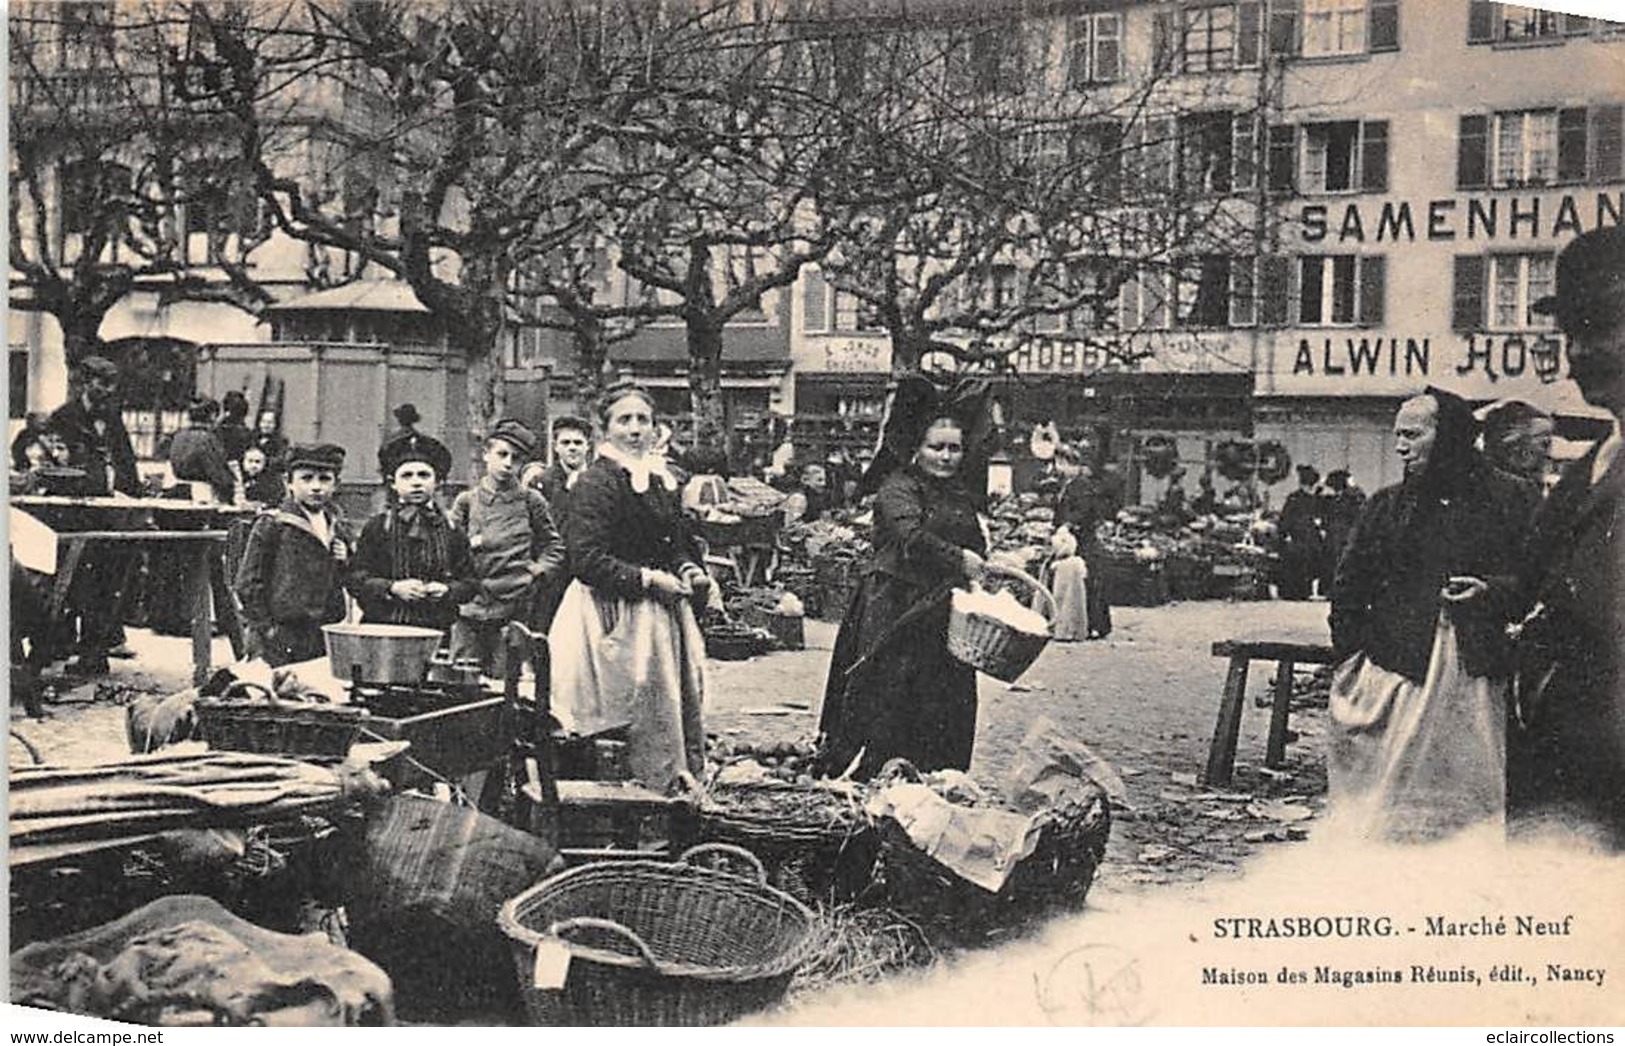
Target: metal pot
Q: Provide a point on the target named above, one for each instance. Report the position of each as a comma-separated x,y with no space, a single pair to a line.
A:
380,653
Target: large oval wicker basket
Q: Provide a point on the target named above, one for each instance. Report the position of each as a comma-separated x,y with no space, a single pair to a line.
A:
658,944
991,645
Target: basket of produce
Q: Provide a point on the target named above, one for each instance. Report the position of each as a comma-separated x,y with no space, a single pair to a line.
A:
721,529
727,641
1047,859
815,839
994,633
652,944
247,718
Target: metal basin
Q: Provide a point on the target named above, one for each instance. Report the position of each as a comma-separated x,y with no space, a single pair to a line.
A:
380,653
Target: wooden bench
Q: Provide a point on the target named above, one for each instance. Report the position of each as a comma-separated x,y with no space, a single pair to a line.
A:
1221,756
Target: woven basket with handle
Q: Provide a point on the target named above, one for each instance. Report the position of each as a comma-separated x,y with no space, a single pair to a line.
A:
657,944
992,646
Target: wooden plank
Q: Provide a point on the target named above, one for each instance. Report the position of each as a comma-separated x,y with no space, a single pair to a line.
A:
1276,650
1275,752
1221,756
202,619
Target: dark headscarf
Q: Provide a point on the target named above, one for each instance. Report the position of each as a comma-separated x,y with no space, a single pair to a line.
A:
1453,463
914,404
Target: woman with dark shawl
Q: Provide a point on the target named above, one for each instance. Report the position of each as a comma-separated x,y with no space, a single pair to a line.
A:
1419,608
894,690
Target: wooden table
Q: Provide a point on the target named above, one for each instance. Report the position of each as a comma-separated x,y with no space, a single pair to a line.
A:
200,529
1221,756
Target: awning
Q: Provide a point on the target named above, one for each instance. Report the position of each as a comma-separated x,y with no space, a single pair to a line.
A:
360,296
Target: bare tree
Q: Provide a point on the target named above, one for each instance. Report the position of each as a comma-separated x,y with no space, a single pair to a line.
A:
997,197
113,187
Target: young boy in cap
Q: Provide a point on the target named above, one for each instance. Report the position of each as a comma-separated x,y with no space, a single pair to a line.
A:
410,566
516,547
290,578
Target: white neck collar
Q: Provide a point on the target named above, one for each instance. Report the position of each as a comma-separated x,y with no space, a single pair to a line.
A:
640,469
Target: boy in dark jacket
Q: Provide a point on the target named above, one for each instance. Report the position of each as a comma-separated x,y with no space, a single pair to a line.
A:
515,545
411,567
290,579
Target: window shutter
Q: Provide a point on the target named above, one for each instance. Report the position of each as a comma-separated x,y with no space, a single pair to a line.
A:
815,301
1154,299
1374,156
1274,290
1473,153
1243,294
1284,27
1283,159
1247,34
1373,290
1571,145
1108,48
1162,40
1244,152
1382,32
1480,22
1467,294
1128,297
1607,147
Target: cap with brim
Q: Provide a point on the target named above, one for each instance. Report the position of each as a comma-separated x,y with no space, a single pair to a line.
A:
515,433
326,456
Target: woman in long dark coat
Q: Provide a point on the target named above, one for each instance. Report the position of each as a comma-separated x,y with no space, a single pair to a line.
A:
893,689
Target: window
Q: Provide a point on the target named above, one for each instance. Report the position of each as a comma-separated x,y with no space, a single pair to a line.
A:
1333,27
1206,149
1525,148
1341,290
827,310
1205,39
1338,156
1095,49
1202,292
988,58
1540,147
89,192
1093,285
1517,281
1208,40
1493,23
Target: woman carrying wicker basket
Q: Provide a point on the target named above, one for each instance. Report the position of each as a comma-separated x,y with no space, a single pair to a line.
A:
894,689
625,642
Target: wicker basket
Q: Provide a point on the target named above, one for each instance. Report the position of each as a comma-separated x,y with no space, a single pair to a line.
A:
990,645
270,727
813,851
750,530
1056,875
657,945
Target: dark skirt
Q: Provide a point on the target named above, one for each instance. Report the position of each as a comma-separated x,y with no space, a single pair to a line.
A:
911,698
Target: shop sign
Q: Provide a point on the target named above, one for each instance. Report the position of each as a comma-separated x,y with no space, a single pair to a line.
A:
1154,354
872,355
1462,218
1481,358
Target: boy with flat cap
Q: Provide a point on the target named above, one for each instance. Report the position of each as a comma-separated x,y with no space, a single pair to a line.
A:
1566,752
411,567
290,578
516,547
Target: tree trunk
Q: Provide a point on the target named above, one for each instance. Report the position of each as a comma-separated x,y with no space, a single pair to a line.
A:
705,387
908,348
591,355
80,334
479,345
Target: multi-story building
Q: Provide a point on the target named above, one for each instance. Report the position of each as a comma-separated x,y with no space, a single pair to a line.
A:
1417,164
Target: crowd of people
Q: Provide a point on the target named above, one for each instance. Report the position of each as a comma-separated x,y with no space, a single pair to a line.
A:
1477,615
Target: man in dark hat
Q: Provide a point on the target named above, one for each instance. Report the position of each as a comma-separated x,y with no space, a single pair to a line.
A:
235,435
90,427
411,567
516,547
1301,536
1566,755
290,581
407,417
1340,506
